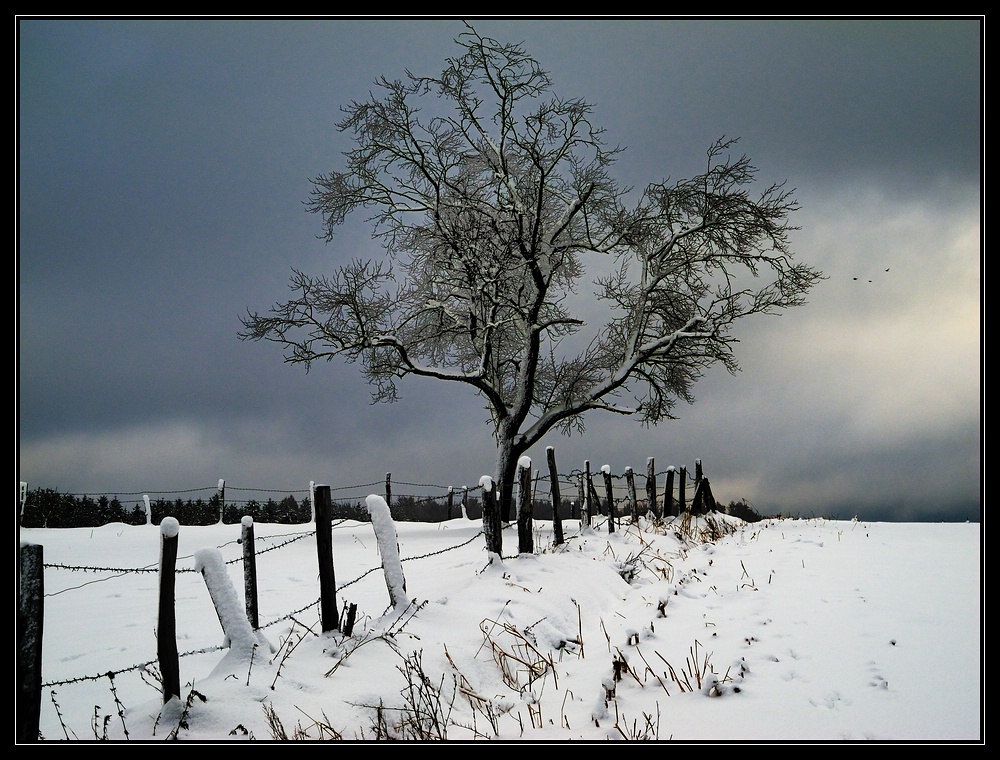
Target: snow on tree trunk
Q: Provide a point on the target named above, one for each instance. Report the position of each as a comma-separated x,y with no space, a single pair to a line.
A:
388,547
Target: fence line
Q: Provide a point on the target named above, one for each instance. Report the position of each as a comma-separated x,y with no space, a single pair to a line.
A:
179,570
543,485
564,478
591,507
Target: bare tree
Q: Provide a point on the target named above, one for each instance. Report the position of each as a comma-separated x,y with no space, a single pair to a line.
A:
490,208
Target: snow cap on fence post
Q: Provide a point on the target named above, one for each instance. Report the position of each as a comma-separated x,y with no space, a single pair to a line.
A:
169,527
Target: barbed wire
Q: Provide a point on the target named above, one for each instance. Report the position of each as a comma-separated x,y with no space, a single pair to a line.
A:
288,616
121,571
128,669
568,478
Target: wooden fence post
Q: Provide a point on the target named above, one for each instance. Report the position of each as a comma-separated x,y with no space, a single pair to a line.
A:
491,518
222,500
597,506
633,505
651,489
324,550
668,495
582,496
166,623
451,500
697,473
525,544
388,489
352,613
589,484
30,619
22,498
610,497
550,455
249,571
682,492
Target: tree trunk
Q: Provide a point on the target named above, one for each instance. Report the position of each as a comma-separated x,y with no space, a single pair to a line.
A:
506,474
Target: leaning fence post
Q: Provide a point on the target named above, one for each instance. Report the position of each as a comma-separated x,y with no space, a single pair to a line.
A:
633,505
30,617
324,550
388,549
239,634
525,545
606,469
550,455
166,624
249,571
651,505
704,501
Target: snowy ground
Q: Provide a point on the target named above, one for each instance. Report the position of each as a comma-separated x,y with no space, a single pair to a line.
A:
783,630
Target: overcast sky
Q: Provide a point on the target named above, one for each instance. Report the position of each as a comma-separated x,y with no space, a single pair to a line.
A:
163,166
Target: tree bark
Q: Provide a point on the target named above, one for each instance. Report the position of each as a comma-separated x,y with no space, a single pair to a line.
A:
506,473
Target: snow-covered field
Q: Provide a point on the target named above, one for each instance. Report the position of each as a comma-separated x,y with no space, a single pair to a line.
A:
711,630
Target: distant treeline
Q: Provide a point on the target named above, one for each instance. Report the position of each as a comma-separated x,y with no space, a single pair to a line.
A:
48,508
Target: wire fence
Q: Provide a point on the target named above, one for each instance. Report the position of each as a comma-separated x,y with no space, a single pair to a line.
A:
410,501
603,493
290,615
